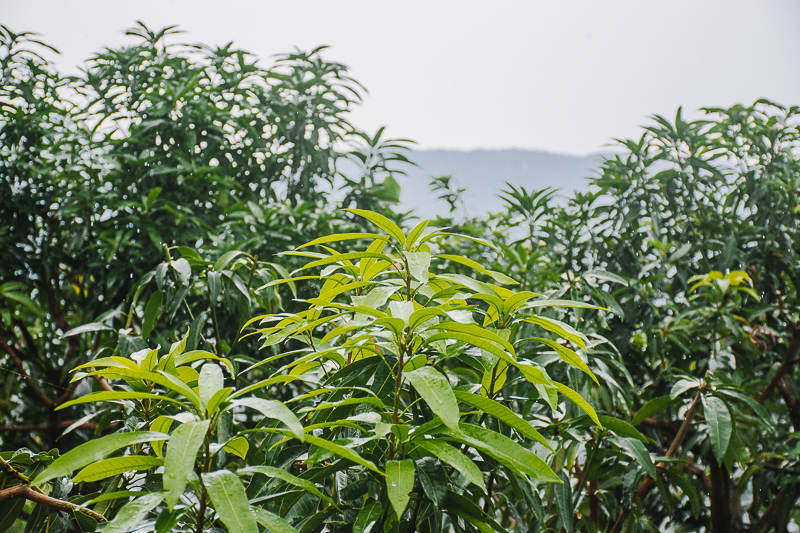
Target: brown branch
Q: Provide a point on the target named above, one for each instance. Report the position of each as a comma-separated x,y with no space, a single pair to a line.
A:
103,383
24,491
785,367
649,483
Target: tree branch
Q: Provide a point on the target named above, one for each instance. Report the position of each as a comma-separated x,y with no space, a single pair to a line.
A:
649,483
24,491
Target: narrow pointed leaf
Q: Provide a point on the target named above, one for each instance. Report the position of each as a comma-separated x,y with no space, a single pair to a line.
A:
94,451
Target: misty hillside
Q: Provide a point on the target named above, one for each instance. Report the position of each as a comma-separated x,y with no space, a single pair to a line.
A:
484,172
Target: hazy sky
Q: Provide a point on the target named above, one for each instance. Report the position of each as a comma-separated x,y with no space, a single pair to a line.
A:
562,76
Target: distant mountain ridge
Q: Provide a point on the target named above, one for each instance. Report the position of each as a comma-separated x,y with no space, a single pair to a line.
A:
483,173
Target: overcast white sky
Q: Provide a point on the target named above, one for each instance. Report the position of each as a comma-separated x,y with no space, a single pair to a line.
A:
563,76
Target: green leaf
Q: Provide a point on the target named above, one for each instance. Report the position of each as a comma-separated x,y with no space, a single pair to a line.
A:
682,386
210,382
93,451
226,259
419,264
86,328
119,395
26,301
399,483
750,402
688,489
639,453
605,276
276,410
132,514
621,428
578,399
564,330
161,378
9,511
437,392
505,450
566,509
568,356
271,521
453,457
653,406
720,425
181,456
151,312
503,414
238,446
341,451
117,465
338,237
382,222
272,472
230,501
367,518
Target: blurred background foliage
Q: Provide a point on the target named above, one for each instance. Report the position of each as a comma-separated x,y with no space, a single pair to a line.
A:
150,195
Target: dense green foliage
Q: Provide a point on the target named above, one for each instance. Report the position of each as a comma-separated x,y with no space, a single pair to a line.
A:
177,359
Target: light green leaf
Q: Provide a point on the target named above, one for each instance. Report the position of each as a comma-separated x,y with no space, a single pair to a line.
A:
181,455
435,389
568,356
578,399
210,382
117,396
382,222
230,501
720,425
276,410
453,457
238,446
336,258
505,450
399,483
564,330
271,521
338,237
117,465
419,264
94,451
503,414
271,471
402,310
132,514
